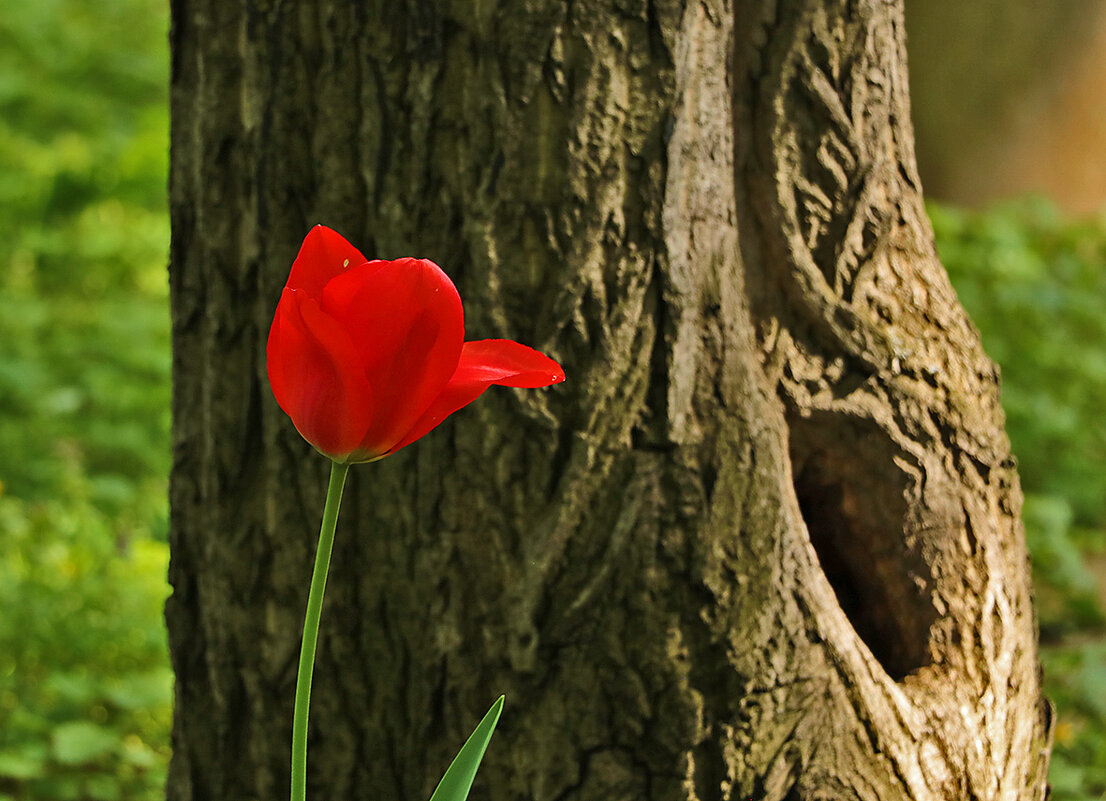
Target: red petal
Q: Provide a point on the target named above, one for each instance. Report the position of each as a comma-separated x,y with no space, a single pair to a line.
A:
317,377
509,364
323,255
406,320
483,363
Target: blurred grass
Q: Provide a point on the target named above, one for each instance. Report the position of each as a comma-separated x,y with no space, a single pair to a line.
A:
84,423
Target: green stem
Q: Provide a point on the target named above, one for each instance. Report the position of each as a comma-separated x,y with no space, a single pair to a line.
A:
311,630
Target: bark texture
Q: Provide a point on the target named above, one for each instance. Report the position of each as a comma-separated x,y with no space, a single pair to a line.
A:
764,543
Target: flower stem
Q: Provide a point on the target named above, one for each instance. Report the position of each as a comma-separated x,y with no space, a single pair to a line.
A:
311,630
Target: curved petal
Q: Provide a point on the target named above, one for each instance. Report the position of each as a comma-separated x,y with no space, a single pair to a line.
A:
406,321
483,363
324,254
509,364
317,377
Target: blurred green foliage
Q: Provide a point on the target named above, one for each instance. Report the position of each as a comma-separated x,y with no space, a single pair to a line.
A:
84,422
83,245
85,685
1035,285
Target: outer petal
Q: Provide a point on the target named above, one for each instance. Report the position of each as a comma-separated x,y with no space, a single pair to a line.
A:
483,363
323,255
406,321
509,364
317,377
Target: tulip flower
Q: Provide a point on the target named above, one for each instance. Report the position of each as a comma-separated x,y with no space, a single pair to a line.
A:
366,357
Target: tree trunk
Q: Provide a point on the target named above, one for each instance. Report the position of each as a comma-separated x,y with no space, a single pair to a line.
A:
765,541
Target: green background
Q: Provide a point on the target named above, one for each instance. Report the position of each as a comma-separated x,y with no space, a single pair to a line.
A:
85,684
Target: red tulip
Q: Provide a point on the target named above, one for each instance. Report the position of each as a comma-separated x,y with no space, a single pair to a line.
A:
368,356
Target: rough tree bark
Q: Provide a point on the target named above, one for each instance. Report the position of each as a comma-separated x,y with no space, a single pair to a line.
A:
764,543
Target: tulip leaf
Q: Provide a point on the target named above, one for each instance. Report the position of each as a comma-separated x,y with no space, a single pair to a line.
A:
457,781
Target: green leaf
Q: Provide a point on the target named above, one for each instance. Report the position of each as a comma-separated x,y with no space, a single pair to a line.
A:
457,781
20,766
137,753
80,741
142,690
103,788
